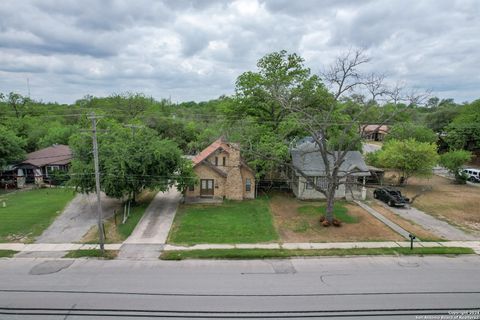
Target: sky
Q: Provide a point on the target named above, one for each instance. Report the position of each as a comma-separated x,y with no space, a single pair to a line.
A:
62,50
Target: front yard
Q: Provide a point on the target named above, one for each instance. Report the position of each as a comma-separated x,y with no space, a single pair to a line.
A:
29,213
298,221
246,221
279,218
456,204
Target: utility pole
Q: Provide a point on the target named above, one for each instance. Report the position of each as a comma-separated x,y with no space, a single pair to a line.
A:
97,181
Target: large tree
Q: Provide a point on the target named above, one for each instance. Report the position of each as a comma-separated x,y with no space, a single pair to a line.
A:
283,94
464,131
11,147
130,161
409,130
409,157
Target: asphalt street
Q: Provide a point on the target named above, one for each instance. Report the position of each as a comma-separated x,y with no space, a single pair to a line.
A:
333,288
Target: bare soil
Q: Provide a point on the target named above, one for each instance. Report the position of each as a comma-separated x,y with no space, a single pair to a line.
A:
456,204
293,226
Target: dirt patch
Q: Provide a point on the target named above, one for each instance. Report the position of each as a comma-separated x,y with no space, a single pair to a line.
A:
295,227
456,204
408,225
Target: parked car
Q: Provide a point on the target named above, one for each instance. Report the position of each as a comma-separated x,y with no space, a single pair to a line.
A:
390,196
473,175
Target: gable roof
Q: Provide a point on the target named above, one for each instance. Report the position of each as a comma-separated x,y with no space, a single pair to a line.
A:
369,128
306,158
57,154
217,144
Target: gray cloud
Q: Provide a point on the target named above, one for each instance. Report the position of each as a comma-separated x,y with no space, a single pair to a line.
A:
194,50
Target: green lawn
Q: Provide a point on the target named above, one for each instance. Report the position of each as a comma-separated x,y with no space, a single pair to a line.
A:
92,253
248,221
7,253
284,253
28,213
340,212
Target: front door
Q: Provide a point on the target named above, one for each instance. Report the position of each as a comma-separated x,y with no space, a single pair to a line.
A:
206,187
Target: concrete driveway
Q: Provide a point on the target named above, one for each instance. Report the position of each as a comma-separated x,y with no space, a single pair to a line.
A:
149,236
430,223
77,218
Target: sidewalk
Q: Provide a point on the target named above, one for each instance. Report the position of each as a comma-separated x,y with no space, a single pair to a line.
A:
475,245
35,247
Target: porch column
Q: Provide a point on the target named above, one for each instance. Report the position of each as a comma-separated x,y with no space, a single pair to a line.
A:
364,190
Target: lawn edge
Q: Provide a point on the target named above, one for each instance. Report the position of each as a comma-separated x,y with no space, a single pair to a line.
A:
248,254
91,254
7,253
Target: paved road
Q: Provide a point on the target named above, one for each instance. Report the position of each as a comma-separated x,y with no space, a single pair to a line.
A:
150,234
369,147
337,287
77,218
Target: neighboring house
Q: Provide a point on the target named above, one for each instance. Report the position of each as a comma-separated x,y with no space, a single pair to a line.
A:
222,173
374,132
308,160
39,164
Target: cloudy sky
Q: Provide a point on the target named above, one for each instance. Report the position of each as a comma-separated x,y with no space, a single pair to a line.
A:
194,50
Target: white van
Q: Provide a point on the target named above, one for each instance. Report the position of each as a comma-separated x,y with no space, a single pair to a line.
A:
473,175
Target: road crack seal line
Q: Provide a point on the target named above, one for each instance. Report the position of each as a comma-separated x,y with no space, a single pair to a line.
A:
49,267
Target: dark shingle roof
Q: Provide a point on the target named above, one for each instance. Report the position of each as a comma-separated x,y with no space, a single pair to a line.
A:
306,158
58,154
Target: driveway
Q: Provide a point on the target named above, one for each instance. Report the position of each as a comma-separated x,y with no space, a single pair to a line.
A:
431,223
151,232
77,218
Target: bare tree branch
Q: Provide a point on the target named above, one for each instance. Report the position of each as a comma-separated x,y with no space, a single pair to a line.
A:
343,76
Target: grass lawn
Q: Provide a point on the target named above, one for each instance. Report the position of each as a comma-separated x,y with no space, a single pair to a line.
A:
117,232
7,253
299,221
339,210
284,253
30,212
92,253
247,221
453,203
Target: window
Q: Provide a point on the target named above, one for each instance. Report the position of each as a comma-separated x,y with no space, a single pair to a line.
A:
216,161
224,161
309,183
322,183
248,184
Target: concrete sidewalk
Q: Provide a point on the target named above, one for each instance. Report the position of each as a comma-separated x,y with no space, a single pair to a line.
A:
37,247
475,245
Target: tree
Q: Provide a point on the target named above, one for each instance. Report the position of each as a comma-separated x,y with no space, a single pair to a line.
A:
453,161
410,157
464,131
11,147
408,130
343,75
17,102
306,108
265,94
130,161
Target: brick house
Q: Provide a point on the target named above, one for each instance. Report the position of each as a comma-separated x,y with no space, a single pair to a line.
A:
222,173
